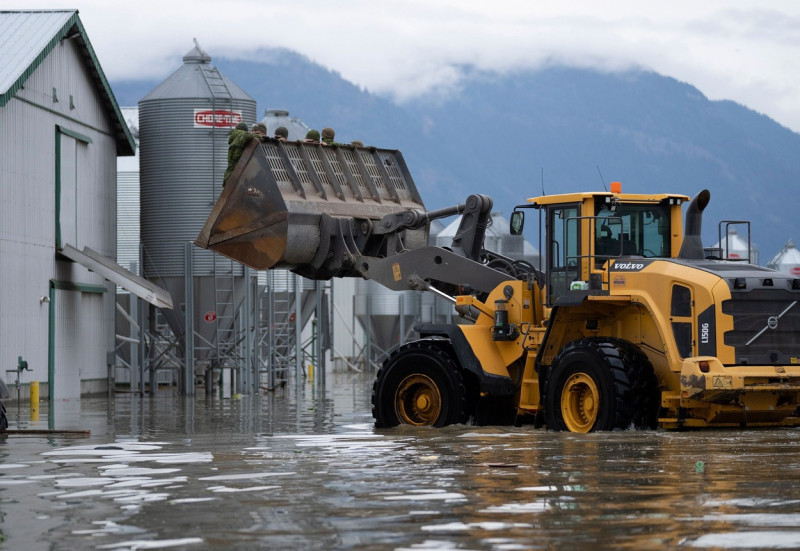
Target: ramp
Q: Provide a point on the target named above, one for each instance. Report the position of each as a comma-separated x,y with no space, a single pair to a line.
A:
115,273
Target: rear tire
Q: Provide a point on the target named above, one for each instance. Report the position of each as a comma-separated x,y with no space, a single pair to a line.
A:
419,384
3,418
601,384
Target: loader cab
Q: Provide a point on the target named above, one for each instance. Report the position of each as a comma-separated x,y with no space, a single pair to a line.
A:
585,232
631,229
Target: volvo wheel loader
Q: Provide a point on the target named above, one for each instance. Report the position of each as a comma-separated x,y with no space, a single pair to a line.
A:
627,322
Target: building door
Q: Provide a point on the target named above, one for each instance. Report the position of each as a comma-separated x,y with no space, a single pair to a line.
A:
77,345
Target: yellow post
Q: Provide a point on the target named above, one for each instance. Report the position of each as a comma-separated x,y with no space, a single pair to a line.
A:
34,400
310,372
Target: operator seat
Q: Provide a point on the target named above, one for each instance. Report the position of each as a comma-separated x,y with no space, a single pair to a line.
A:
628,246
606,245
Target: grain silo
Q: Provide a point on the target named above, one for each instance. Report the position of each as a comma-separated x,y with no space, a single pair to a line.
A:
733,246
498,239
787,260
386,316
274,118
184,125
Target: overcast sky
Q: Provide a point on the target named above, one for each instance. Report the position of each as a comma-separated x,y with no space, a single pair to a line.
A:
747,51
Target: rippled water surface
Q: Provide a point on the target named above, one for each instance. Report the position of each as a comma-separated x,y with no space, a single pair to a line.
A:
309,471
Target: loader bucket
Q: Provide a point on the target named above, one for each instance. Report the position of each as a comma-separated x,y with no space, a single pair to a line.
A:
282,199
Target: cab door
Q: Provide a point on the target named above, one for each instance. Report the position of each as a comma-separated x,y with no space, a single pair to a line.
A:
563,250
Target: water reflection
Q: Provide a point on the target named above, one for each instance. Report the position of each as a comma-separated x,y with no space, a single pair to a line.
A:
299,471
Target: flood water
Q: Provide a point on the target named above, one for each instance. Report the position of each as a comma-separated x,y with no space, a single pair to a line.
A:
307,470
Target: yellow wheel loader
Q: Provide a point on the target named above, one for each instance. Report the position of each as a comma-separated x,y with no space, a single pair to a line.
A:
628,321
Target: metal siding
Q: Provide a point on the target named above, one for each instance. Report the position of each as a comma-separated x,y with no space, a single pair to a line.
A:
96,190
27,220
30,37
379,308
80,345
66,383
128,219
89,318
188,82
23,36
177,184
343,318
24,278
65,71
96,186
70,162
28,198
97,198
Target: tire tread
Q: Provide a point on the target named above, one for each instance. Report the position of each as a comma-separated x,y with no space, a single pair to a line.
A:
636,393
437,350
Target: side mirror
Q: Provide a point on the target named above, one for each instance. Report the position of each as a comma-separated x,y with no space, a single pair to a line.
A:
517,222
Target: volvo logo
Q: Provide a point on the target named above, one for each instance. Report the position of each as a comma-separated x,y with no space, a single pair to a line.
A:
772,322
628,266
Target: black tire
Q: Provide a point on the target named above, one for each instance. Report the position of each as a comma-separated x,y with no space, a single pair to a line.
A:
3,418
601,384
419,384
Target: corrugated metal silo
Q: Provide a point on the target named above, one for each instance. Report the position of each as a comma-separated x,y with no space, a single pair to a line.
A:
386,314
184,125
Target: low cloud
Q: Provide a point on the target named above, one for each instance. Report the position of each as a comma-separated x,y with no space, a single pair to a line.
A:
409,48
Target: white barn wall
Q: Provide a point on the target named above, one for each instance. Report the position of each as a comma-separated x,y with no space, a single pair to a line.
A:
67,346
27,222
27,246
24,277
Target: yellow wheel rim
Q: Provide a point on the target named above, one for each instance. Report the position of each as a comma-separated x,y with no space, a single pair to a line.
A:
418,400
580,401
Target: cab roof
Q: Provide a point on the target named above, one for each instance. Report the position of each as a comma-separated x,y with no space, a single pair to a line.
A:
622,197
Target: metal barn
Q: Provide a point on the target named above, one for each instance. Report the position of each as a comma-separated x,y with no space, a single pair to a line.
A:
60,134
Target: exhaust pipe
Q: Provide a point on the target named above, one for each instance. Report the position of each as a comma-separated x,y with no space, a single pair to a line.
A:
692,247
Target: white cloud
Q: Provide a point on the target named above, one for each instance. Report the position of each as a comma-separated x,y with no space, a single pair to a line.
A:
742,50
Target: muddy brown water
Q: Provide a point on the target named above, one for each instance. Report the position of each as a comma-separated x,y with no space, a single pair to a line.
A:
307,470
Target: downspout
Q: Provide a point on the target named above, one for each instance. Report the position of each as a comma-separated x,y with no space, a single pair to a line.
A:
51,356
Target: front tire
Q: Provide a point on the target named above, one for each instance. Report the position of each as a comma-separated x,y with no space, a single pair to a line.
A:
601,384
419,384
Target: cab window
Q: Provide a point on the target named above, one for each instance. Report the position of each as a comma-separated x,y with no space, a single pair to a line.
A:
562,258
632,230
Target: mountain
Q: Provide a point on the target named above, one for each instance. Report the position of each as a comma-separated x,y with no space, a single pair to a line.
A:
559,129
652,133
